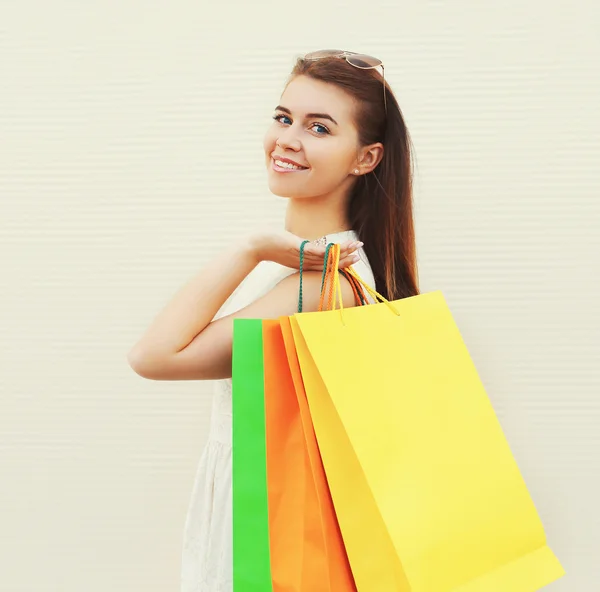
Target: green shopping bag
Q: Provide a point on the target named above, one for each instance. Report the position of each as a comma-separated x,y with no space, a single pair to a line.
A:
251,556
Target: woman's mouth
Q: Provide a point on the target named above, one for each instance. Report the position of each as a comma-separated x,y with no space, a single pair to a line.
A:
281,166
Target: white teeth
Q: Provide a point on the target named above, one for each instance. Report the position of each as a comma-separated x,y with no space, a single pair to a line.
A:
287,165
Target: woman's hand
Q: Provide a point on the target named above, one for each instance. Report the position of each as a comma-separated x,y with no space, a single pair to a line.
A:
186,342
284,248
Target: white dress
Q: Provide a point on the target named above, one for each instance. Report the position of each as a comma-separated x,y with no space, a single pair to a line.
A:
207,563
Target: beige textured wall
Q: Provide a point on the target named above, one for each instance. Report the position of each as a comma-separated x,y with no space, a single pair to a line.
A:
130,153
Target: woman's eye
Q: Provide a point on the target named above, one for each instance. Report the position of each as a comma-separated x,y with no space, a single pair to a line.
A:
280,117
320,129
323,130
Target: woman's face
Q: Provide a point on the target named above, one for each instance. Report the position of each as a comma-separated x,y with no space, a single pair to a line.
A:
313,127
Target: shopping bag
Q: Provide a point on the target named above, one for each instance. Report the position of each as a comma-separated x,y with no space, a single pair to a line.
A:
251,564
286,466
408,436
307,551
374,562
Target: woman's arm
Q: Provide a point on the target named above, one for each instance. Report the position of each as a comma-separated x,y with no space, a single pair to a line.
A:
183,344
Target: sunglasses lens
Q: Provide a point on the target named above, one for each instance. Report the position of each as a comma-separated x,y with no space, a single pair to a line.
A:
361,60
323,53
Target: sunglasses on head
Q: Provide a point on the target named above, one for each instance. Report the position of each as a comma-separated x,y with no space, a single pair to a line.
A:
358,60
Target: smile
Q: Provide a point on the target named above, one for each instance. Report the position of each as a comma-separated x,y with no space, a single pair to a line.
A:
286,167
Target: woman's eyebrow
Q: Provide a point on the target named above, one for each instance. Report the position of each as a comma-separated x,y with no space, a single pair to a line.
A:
308,115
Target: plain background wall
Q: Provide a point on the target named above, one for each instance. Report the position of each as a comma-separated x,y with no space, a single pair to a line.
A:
131,153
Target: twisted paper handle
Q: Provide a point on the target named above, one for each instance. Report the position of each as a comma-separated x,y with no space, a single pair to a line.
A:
330,282
335,289
328,271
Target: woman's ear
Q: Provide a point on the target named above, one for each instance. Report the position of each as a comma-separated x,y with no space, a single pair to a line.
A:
369,157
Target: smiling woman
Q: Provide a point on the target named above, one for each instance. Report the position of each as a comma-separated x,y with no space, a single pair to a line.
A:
313,130
339,151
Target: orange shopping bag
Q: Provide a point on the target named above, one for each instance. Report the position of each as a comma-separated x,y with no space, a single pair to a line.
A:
307,550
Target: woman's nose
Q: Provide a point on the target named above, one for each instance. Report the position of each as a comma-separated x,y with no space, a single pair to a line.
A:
288,139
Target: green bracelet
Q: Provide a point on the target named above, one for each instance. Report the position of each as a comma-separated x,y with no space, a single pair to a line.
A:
301,270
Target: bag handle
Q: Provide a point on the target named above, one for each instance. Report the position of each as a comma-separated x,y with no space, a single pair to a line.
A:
353,273
359,296
331,273
327,271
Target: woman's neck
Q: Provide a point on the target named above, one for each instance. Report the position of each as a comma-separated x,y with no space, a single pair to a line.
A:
312,218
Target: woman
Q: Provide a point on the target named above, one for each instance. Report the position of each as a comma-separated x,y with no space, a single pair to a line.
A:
339,150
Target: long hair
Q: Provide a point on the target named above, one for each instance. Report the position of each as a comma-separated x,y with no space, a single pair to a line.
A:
380,206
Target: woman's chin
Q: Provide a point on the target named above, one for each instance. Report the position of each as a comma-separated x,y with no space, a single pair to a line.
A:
286,186
280,190
282,194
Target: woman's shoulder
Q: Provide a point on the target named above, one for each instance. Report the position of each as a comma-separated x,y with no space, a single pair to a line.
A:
267,274
263,278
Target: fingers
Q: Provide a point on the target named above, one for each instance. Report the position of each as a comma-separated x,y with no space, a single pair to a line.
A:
351,246
314,251
349,254
348,261
314,254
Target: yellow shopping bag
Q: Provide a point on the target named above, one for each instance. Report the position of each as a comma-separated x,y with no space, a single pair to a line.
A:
422,478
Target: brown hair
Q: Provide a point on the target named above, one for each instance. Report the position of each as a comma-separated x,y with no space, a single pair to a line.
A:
380,207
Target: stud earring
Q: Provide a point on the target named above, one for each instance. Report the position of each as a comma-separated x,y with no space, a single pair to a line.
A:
356,171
